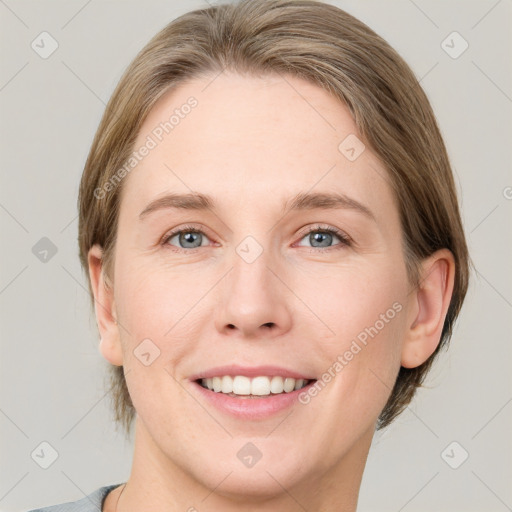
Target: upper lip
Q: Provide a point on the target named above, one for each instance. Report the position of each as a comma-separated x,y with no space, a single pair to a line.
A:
250,371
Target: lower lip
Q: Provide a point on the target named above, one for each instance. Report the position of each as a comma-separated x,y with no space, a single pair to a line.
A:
251,408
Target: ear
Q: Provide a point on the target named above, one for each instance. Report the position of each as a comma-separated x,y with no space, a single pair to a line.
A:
104,306
430,302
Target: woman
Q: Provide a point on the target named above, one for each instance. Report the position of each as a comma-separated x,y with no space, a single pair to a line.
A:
270,228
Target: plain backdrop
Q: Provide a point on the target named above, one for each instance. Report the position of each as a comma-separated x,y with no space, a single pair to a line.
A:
52,375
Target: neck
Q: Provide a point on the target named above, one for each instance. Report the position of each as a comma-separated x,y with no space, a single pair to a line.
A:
157,483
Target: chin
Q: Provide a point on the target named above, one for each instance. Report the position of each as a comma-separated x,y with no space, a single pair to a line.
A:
259,483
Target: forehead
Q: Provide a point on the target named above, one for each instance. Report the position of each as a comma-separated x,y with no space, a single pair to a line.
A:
245,139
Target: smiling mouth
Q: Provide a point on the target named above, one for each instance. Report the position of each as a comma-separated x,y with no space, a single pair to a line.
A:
257,387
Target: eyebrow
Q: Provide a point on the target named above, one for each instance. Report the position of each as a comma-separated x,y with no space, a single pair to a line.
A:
302,201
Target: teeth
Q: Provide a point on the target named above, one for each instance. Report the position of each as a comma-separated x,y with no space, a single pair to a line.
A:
299,383
258,386
289,385
241,385
217,384
276,385
226,386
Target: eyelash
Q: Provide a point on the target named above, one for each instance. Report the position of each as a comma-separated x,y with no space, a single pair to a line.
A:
345,240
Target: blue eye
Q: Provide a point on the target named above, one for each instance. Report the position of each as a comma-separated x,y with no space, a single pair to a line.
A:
189,237
319,235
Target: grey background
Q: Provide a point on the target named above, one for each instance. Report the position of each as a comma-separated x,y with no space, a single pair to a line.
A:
52,375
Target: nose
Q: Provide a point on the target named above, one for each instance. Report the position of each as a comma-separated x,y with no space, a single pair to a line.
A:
255,302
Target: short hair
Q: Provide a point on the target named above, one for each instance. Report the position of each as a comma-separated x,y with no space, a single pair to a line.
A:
329,48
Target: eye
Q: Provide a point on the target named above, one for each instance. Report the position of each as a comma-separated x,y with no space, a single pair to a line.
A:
321,238
190,237
187,238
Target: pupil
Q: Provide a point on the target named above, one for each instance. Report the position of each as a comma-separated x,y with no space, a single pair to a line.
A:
190,237
319,236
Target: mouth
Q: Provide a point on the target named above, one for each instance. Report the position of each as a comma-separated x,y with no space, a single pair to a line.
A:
251,393
260,387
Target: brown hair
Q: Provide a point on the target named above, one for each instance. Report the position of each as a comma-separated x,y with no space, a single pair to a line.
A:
331,49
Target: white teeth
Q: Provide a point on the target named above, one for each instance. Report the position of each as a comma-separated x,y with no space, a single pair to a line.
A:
227,384
289,384
257,386
299,383
217,384
260,386
241,385
277,385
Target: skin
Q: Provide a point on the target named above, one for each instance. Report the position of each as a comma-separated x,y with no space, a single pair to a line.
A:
253,143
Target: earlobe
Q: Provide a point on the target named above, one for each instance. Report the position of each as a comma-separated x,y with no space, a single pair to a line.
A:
432,299
110,349
104,306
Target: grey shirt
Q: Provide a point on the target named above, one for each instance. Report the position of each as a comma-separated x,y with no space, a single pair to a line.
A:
91,503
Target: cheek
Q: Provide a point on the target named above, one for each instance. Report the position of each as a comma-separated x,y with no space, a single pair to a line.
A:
357,302
152,300
366,318
154,308
163,313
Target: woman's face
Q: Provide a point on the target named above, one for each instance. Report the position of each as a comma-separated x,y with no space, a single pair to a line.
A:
245,290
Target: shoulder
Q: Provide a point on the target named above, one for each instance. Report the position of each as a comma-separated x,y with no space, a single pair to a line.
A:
91,503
